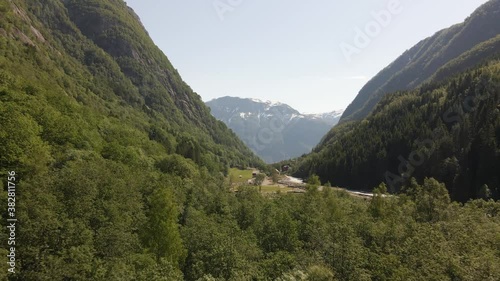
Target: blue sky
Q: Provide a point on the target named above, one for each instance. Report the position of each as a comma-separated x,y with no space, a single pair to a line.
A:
308,54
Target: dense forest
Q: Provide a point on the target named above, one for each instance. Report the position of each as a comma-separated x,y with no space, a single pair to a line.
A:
449,131
433,112
99,129
120,172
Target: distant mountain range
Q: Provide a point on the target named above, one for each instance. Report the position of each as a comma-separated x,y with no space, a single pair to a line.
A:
274,131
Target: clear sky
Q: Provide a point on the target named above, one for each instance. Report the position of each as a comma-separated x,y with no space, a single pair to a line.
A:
308,54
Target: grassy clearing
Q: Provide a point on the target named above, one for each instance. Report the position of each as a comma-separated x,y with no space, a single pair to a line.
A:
234,176
275,188
236,180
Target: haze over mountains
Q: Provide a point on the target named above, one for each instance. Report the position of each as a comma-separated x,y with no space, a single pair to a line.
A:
274,131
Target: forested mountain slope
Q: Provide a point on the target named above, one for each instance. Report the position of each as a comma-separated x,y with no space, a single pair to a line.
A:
101,132
118,170
442,55
103,46
449,131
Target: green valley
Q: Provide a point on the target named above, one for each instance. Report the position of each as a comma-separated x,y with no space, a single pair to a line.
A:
114,169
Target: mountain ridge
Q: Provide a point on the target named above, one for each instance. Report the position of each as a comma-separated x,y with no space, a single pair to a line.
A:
114,169
418,65
272,129
448,130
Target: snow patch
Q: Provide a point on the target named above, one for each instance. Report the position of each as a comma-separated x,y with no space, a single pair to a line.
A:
267,102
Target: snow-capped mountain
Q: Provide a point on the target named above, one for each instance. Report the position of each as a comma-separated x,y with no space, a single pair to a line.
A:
329,117
273,130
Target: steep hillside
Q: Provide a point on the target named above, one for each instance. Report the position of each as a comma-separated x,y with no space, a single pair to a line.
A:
449,131
447,52
274,131
98,133
113,170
